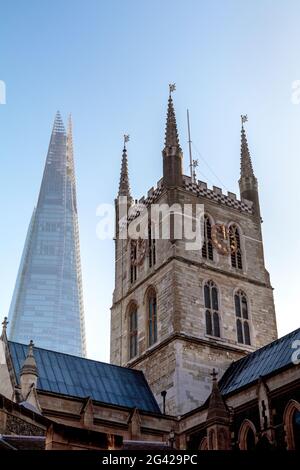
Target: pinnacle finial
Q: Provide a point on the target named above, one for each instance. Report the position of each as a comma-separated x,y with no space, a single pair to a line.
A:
124,187
126,139
216,406
171,135
29,366
246,163
4,327
172,87
244,118
30,348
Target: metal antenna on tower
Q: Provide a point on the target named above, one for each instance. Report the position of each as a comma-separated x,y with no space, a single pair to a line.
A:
193,163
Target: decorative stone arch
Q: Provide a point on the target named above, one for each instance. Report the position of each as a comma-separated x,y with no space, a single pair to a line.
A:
204,282
203,444
288,416
132,323
242,244
210,279
246,426
240,290
212,221
234,222
132,303
211,218
151,291
212,437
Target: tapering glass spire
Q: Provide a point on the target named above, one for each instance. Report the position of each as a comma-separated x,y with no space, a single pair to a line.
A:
47,301
124,186
246,163
58,126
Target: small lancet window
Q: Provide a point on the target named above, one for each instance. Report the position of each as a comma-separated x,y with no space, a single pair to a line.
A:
235,243
152,317
151,245
133,261
133,331
212,316
242,318
207,247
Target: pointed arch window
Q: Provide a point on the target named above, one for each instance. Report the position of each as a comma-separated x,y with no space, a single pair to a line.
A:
207,247
247,436
250,440
133,261
203,444
242,318
152,317
151,245
291,420
133,331
211,302
235,243
296,429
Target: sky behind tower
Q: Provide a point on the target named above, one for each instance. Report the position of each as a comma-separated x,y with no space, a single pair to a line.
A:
109,63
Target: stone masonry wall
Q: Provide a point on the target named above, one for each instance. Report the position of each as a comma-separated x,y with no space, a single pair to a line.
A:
178,277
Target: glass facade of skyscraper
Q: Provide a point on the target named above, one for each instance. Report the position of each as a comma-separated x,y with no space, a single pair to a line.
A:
47,304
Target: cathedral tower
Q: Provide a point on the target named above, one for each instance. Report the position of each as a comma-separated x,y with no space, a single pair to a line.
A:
178,313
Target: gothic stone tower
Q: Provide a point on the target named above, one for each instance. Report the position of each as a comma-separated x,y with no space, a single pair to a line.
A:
179,313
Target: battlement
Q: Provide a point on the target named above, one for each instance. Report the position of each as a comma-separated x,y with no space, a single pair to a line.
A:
200,189
152,195
151,198
216,194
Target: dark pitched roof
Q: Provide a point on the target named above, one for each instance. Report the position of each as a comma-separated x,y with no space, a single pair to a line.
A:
24,442
260,363
79,377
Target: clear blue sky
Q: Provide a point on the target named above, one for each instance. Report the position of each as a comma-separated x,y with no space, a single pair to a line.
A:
109,63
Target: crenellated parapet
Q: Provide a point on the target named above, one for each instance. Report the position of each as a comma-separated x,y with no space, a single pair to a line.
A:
216,195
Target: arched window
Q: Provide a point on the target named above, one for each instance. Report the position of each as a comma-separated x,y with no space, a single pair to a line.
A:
247,435
151,245
211,302
235,245
250,440
296,429
133,331
291,420
133,261
152,317
242,318
203,444
207,247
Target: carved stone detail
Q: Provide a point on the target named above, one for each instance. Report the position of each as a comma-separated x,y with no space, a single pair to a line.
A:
18,426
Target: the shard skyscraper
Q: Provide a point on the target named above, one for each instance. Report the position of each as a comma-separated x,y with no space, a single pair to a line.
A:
47,304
